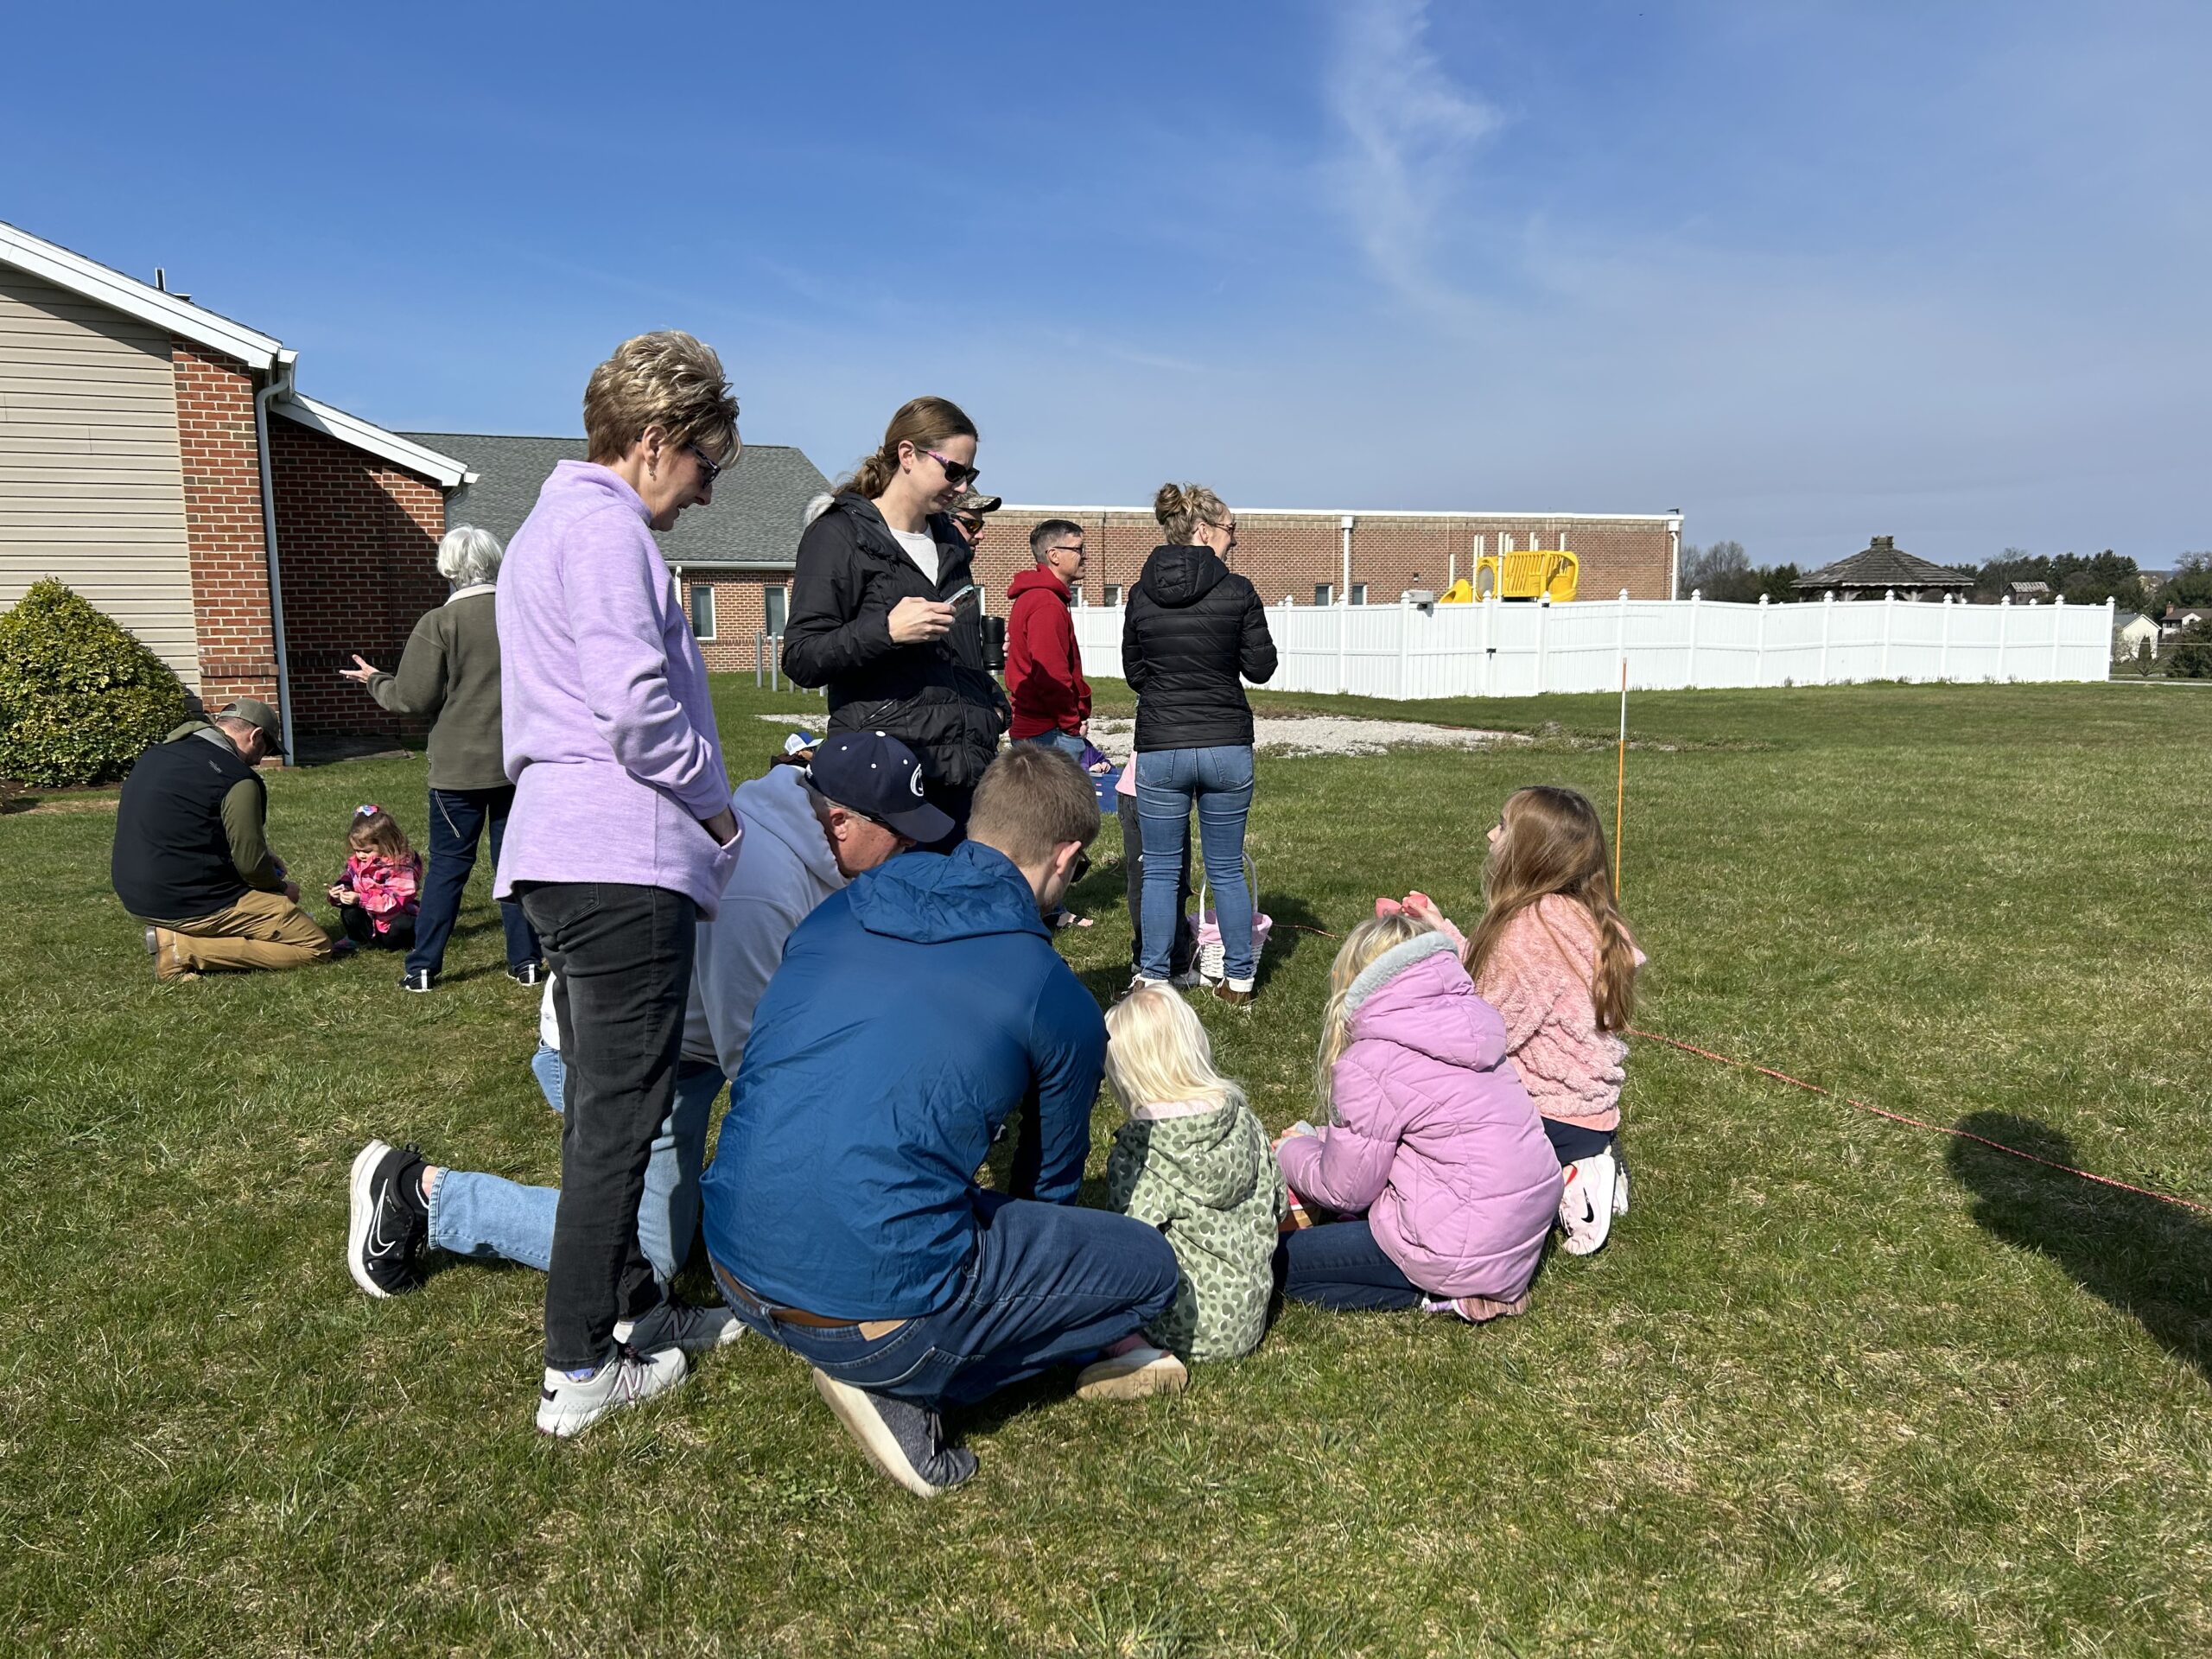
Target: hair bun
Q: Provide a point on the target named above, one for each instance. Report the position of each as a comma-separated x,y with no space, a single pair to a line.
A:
1170,504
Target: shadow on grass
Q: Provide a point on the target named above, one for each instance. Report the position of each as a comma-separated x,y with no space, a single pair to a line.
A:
2152,1260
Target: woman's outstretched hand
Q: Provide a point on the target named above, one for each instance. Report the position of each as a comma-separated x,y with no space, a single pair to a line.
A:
362,671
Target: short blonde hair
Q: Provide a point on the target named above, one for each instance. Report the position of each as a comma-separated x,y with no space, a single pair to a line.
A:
1157,1051
1032,800
1181,508
1360,948
666,379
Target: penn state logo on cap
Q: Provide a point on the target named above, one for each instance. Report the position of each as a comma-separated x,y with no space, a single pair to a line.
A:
874,774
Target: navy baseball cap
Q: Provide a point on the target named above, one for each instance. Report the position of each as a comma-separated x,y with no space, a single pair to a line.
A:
876,776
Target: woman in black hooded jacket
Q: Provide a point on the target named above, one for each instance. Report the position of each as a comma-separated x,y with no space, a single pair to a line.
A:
875,613
1193,630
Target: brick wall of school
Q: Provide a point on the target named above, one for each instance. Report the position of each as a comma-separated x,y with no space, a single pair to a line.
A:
223,528
357,545
1291,554
740,610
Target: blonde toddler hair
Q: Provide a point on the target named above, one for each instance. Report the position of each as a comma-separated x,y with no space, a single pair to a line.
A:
1361,947
1157,1051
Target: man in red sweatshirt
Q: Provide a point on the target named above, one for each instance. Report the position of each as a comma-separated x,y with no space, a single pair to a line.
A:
1044,668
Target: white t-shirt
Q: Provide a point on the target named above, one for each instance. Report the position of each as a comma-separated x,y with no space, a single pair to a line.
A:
921,547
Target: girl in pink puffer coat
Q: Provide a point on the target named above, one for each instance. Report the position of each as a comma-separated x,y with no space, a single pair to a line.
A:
1432,1145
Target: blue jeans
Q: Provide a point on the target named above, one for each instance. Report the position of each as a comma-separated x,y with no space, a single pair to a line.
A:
1219,782
1339,1265
1066,742
486,1216
1049,1285
458,817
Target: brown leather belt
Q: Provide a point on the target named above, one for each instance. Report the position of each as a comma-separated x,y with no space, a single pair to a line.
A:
870,1328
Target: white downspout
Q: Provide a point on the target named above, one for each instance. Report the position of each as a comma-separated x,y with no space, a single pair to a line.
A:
280,383
1674,558
1344,610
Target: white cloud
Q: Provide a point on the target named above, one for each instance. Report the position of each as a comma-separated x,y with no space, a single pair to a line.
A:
1408,133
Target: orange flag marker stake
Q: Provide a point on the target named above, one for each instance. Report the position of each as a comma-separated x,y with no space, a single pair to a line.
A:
1620,783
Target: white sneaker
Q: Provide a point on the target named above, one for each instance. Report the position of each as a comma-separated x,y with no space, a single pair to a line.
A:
1189,979
567,1405
1585,1207
1132,1376
1620,1187
679,1325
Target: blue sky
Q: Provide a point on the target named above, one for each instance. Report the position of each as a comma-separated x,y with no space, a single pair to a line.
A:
1807,271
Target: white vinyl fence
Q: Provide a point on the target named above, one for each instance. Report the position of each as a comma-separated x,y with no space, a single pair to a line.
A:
1497,649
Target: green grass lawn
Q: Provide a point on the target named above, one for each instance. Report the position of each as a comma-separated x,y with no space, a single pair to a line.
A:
1835,1386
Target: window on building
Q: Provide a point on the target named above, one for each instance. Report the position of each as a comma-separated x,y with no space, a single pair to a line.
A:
703,610
775,605
1359,593
1113,592
1324,594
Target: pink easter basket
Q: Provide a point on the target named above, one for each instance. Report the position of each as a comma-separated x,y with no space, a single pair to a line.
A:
1206,930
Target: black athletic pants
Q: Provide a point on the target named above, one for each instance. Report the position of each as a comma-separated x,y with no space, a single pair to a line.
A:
623,957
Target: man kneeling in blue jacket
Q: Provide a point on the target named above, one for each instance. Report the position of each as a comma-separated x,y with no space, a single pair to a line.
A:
914,1010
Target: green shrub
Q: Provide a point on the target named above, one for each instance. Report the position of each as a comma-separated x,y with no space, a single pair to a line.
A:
79,697
2192,657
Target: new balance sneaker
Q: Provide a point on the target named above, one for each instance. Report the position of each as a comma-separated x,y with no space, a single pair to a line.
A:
679,1325
1141,1371
569,1404
1585,1207
388,1219
525,972
417,979
902,1440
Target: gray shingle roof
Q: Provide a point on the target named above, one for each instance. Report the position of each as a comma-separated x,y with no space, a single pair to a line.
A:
754,522
1884,564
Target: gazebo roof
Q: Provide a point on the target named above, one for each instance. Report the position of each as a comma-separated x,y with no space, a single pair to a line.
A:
1884,564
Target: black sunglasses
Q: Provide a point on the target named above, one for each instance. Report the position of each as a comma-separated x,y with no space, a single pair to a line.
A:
956,472
1080,868
708,470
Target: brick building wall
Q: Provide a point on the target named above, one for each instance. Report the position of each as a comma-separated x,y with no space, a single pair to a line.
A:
1289,554
740,610
223,527
356,547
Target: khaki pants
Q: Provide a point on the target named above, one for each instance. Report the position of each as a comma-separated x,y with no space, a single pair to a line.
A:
261,929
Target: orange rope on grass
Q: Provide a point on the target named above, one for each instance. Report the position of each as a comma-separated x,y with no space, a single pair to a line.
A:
1920,1123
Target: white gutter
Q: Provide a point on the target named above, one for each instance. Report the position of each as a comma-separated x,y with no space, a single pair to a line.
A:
357,433
280,383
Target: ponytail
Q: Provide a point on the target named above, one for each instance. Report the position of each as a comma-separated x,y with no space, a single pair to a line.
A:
924,422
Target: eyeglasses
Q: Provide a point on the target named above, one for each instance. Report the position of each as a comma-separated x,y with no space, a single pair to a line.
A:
708,470
1080,868
973,526
956,472
1076,549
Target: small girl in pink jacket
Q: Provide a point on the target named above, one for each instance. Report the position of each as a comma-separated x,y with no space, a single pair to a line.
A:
1432,1145
1554,956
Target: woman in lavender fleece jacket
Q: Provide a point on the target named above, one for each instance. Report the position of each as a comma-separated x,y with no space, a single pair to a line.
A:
621,839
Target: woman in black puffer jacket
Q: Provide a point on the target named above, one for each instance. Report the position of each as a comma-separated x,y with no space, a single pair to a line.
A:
873,613
1193,628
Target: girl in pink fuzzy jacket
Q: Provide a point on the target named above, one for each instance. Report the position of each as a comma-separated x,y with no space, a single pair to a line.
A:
1433,1151
1554,956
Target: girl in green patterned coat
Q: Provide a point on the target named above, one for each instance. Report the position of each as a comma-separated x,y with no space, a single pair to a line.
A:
1193,1160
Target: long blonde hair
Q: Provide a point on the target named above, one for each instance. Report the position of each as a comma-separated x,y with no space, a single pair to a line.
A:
1553,842
922,422
1361,947
1157,1051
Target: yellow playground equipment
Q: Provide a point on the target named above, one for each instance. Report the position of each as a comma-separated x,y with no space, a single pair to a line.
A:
1534,575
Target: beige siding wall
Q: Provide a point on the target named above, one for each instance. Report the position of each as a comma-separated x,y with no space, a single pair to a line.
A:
92,487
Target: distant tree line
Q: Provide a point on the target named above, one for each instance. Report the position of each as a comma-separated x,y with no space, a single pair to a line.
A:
1723,570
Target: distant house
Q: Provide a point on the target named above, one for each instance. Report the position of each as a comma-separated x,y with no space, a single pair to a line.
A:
2029,592
1885,567
2130,631
733,558
2178,617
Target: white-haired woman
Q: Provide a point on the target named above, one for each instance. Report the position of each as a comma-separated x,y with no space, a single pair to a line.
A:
450,672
